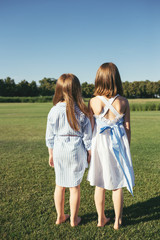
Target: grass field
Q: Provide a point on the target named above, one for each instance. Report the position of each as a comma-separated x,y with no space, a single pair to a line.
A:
27,181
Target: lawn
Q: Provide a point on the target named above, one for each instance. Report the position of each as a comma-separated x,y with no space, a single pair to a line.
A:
27,181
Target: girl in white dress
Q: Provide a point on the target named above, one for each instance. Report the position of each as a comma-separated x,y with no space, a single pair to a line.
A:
111,164
68,138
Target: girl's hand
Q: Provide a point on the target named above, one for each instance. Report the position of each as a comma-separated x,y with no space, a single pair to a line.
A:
51,163
50,151
88,156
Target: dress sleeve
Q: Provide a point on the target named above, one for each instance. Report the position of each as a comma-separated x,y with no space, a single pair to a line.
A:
50,132
87,133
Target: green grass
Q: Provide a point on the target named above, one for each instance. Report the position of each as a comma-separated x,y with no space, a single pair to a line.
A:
27,181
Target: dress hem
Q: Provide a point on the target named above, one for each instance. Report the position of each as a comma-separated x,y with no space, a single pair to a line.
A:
107,188
69,186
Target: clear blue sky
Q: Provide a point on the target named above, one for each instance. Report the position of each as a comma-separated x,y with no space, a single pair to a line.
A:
46,38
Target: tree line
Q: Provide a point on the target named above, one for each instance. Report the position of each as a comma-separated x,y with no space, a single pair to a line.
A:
46,87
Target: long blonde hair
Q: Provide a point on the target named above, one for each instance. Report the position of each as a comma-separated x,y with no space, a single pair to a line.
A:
68,89
108,81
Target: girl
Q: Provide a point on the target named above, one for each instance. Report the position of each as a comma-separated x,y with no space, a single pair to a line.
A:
68,138
111,164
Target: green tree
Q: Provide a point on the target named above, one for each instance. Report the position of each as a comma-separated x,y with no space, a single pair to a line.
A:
126,89
34,90
47,86
1,87
149,91
10,86
23,89
87,89
142,89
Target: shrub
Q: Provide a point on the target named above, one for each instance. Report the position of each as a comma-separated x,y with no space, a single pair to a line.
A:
145,106
26,99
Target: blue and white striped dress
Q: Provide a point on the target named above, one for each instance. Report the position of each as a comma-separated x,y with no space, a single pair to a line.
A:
69,146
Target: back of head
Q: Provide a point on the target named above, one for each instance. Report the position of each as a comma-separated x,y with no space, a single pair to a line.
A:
108,81
68,89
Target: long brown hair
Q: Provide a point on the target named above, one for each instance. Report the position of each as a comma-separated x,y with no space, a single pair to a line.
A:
108,81
68,89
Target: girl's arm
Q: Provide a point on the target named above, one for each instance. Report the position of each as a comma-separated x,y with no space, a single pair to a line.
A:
88,156
50,131
87,137
127,121
50,139
50,151
91,115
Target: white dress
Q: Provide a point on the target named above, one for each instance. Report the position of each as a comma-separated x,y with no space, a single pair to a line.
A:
111,164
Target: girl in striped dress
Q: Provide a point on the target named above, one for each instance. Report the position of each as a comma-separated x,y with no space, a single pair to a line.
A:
111,164
68,138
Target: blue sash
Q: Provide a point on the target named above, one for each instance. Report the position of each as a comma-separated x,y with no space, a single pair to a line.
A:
116,134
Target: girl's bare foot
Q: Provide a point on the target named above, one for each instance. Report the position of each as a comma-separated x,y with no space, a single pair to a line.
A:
117,224
103,222
62,219
75,223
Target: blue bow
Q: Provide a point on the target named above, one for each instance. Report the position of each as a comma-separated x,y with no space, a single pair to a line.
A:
116,134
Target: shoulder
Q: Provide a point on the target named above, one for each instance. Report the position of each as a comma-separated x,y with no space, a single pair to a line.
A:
96,105
121,104
51,112
122,100
55,111
95,100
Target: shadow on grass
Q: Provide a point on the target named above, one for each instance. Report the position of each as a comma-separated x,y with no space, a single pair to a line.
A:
91,217
136,213
142,212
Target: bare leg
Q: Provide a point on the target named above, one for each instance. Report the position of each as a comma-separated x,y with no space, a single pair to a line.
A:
99,198
74,205
59,197
117,196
